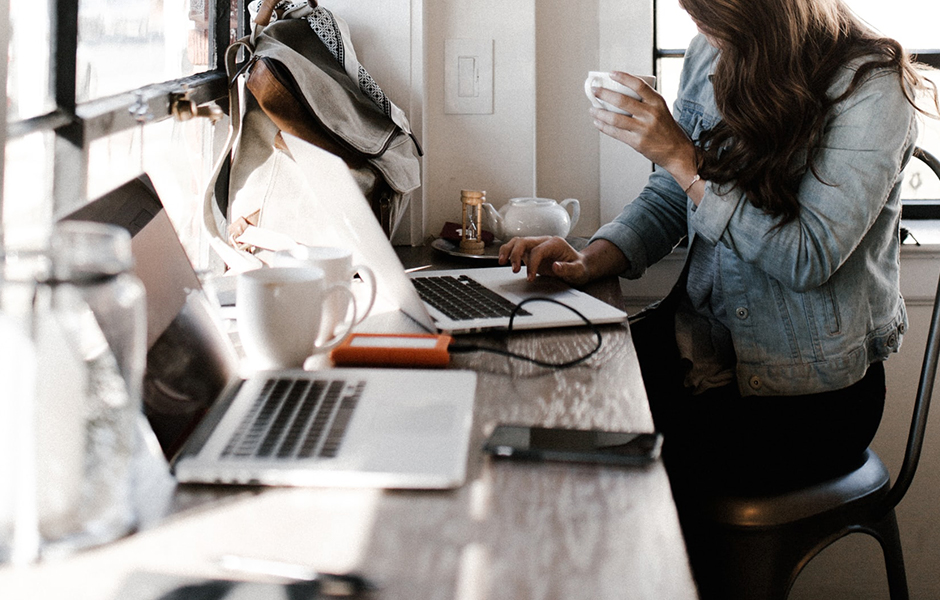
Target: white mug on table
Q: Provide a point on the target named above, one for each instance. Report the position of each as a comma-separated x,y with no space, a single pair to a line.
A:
602,79
280,311
337,265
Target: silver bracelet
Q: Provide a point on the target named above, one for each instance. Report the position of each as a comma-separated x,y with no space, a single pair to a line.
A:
694,180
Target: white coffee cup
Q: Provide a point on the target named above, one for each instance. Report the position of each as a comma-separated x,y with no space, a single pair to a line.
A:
602,79
337,265
279,311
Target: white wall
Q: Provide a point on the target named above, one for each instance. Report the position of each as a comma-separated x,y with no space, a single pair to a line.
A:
491,152
567,144
539,139
626,43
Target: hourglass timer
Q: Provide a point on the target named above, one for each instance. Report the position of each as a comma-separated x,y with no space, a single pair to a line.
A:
471,234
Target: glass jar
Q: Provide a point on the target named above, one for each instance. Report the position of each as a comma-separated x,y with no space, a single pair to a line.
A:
86,324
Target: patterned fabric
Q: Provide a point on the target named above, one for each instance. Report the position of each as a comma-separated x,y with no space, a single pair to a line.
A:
370,88
326,28
323,23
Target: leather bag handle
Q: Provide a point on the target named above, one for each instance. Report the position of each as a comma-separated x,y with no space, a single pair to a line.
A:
265,11
237,260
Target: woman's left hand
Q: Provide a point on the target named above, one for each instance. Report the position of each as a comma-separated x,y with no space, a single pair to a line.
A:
650,128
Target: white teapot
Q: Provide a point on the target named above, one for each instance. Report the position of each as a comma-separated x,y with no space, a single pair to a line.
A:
522,217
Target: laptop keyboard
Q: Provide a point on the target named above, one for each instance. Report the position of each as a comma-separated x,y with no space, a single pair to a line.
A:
296,418
462,298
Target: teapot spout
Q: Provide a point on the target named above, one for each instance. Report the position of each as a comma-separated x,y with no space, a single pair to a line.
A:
495,219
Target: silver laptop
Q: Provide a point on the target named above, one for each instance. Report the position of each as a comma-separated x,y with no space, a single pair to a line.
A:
345,219
337,427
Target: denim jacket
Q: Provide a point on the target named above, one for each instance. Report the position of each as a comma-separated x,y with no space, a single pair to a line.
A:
818,300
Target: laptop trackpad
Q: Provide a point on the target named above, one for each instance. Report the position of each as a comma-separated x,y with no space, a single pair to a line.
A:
543,286
437,419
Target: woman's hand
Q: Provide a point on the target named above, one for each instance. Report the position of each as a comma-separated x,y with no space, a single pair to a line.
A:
555,257
650,128
545,256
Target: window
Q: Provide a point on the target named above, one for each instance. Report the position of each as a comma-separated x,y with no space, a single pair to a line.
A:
674,30
95,111
898,19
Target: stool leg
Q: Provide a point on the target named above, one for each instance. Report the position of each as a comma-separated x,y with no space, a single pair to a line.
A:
737,565
886,532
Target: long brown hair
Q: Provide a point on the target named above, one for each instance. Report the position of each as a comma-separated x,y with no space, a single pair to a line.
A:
777,61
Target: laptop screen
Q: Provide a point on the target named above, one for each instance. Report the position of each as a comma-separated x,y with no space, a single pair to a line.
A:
189,359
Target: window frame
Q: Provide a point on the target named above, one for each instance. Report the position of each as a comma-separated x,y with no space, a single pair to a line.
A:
75,126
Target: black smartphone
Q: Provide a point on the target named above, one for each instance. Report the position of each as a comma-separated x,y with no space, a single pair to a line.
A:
573,445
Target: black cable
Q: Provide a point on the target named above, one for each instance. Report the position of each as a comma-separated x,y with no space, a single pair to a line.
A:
551,365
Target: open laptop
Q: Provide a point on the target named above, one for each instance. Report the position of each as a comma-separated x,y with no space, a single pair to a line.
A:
337,427
345,219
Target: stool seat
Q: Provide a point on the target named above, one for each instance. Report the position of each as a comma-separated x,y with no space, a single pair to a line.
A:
753,547
866,485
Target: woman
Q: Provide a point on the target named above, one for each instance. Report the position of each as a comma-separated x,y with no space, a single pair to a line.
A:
782,168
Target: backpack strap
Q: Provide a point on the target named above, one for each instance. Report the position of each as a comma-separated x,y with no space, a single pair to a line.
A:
237,260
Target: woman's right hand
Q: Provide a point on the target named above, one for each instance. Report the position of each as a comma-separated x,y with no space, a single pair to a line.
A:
545,255
651,130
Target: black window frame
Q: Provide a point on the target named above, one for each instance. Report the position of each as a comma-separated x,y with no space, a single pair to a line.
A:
76,125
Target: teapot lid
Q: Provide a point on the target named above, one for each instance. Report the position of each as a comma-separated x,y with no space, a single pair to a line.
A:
532,200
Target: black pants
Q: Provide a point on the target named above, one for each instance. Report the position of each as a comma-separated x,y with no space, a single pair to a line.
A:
751,443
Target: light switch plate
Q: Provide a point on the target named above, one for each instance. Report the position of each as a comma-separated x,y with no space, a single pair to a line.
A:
468,76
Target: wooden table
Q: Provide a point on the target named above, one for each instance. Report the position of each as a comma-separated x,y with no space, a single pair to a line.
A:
514,531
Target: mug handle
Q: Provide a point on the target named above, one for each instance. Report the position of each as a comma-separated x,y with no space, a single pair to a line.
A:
373,288
348,323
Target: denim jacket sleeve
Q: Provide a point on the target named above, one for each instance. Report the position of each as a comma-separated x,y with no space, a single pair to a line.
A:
652,225
856,178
